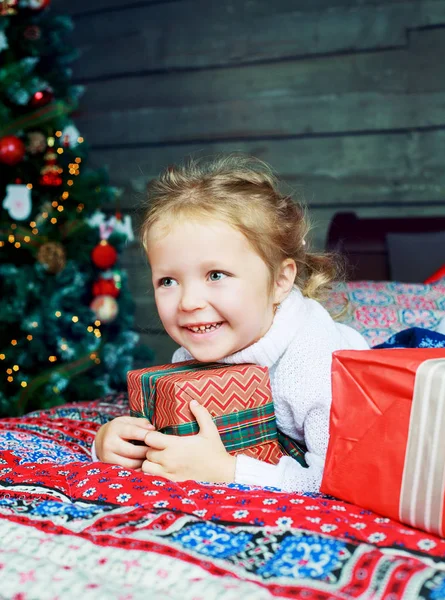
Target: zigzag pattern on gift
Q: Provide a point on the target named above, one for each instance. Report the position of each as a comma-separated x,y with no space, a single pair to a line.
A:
223,393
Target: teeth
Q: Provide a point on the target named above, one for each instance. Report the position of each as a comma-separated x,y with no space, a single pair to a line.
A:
205,328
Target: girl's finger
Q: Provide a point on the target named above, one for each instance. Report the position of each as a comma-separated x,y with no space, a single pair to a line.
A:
126,463
129,450
157,440
152,455
132,432
150,468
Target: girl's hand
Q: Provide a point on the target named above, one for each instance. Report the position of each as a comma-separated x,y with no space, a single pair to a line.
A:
112,442
201,457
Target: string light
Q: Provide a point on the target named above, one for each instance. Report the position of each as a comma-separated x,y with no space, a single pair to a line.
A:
11,239
13,226
90,329
2,356
35,231
52,358
32,224
74,319
2,244
10,379
44,215
97,361
29,186
27,239
97,333
65,195
29,337
97,323
80,140
16,367
17,244
58,133
55,204
58,313
59,150
9,371
34,324
51,142
60,208
23,384
54,220
93,355
13,342
64,347
70,182
78,159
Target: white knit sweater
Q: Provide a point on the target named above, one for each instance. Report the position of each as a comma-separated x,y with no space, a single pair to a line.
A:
297,349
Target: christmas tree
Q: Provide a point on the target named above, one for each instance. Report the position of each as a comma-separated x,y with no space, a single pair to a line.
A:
66,315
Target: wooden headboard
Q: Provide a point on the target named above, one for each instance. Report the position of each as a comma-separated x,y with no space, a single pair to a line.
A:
362,241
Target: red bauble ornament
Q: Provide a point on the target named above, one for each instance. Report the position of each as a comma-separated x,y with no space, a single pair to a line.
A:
105,287
41,98
104,255
50,173
12,150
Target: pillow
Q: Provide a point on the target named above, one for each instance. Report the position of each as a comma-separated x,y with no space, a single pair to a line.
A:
378,309
414,256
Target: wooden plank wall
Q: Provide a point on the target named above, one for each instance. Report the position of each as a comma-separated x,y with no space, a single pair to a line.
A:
345,98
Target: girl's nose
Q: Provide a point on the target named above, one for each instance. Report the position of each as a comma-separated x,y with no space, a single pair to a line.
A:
192,299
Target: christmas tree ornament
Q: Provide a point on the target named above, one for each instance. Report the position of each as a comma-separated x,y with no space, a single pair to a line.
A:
105,287
104,255
36,142
50,173
41,98
35,5
18,201
70,135
32,33
12,150
8,7
105,308
52,256
4,44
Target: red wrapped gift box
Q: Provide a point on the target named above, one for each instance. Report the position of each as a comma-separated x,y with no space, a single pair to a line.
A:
386,450
237,396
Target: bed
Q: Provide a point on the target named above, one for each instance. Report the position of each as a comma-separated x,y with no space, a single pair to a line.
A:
71,528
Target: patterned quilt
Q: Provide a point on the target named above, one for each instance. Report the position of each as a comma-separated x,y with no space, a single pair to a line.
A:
70,528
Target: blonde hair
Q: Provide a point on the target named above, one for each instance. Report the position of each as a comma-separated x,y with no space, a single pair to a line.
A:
242,191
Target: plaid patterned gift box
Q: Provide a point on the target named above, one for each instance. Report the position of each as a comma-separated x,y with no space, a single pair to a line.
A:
238,397
386,450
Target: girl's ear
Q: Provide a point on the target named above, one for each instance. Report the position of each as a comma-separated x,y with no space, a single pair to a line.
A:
285,280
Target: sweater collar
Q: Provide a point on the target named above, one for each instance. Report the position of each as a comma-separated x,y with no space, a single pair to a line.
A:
290,316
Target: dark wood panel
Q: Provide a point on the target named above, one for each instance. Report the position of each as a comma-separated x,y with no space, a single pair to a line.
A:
195,34
259,118
396,168
401,71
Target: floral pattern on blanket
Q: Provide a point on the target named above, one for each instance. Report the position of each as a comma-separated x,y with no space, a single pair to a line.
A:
72,528
378,309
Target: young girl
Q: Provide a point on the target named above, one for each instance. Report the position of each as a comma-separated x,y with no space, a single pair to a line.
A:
234,282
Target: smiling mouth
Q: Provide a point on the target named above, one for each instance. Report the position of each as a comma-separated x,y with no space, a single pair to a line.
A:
205,328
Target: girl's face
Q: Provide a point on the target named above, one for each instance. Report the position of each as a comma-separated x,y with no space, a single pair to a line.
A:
211,288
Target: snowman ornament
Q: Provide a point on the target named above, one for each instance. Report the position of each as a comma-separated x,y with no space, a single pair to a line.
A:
18,201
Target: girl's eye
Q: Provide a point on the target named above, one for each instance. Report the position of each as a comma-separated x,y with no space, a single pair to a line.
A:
167,282
217,275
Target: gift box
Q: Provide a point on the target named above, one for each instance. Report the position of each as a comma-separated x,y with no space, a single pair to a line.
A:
238,397
386,449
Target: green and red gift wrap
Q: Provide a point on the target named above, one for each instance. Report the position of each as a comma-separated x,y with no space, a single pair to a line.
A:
238,397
